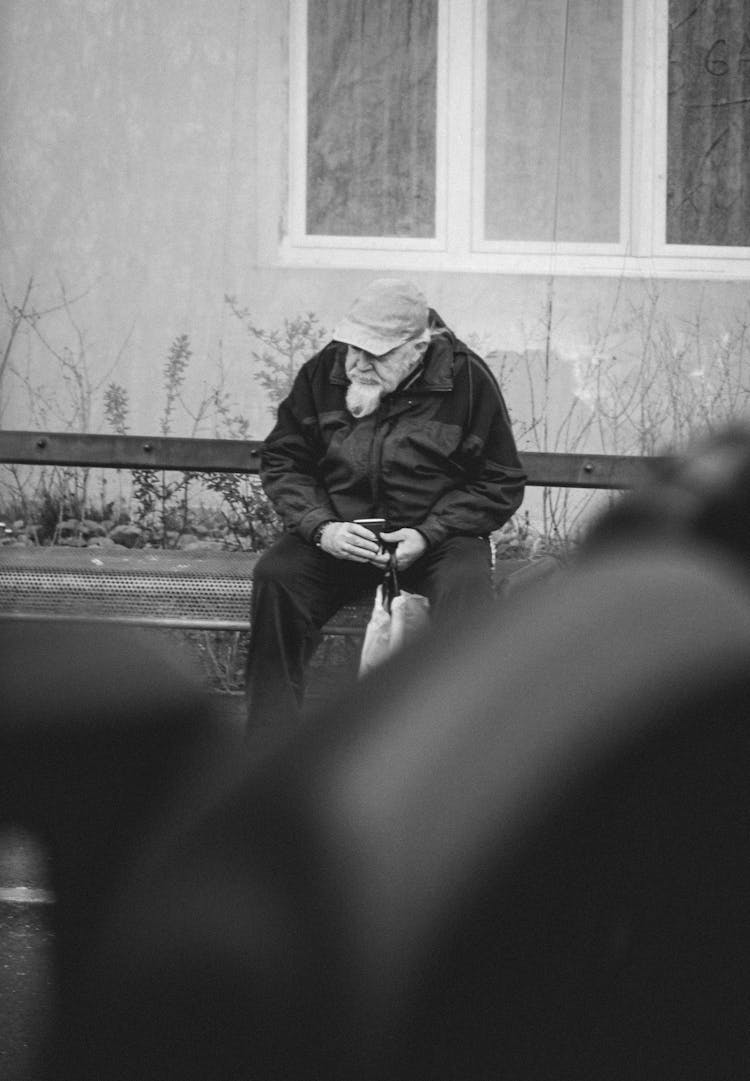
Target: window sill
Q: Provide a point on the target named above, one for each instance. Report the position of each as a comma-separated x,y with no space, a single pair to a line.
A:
398,257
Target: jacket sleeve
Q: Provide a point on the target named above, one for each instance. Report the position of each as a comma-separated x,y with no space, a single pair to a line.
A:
288,461
494,479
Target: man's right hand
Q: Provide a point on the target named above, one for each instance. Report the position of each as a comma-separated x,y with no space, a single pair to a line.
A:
347,540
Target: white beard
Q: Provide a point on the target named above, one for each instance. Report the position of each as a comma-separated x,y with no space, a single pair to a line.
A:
362,399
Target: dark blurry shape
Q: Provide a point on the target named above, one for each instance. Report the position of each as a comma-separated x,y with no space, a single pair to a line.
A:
701,497
522,855
100,729
525,863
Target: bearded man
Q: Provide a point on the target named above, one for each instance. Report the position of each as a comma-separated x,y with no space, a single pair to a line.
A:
394,419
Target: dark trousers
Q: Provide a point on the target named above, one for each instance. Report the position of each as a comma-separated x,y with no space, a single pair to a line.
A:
297,588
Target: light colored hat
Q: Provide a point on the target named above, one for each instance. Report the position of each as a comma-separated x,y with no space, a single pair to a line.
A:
388,313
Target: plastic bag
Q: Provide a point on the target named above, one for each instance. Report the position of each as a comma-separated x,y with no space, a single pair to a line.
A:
397,617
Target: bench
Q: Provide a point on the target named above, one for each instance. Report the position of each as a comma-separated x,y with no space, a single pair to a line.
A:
209,594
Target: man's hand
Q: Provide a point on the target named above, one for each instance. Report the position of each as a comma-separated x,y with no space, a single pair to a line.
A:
347,540
410,545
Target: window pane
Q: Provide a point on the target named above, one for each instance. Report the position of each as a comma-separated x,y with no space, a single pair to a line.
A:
372,71
549,88
708,146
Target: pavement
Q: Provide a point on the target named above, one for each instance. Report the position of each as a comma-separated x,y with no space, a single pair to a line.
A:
26,943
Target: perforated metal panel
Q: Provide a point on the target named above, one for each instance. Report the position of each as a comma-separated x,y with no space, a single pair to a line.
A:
164,588
144,587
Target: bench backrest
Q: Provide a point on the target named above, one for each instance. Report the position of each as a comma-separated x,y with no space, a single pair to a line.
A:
544,469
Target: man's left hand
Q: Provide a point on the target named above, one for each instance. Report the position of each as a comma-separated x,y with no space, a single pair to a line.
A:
410,545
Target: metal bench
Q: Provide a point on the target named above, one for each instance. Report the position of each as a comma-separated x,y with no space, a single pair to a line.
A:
166,588
211,592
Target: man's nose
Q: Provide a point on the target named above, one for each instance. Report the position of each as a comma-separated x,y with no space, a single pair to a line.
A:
363,359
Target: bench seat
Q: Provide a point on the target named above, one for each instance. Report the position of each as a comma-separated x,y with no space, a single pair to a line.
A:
164,588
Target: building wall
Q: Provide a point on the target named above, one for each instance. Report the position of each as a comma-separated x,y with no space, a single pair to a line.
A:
144,180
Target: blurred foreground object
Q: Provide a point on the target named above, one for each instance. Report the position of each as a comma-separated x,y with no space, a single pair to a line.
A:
702,496
100,730
523,855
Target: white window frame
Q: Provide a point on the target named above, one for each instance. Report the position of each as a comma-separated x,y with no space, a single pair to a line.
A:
724,262
545,248
459,243
341,250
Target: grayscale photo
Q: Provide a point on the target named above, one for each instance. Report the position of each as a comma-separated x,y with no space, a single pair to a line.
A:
374,540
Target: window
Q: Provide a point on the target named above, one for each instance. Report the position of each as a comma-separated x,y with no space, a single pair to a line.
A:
371,108
551,162
542,136
708,141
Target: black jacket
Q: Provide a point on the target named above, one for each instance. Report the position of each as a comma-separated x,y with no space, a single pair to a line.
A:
438,454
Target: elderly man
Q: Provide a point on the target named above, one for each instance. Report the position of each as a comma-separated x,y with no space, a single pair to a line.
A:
394,419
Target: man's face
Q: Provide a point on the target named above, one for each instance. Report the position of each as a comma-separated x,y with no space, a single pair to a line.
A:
372,377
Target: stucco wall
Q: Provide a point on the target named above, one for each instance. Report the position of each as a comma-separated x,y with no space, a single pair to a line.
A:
144,179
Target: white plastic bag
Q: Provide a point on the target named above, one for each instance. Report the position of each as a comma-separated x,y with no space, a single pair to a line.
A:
397,617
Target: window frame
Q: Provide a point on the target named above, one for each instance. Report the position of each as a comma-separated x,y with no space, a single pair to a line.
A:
298,238
459,244
735,258
504,247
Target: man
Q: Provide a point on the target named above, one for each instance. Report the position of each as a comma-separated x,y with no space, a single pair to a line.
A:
394,419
